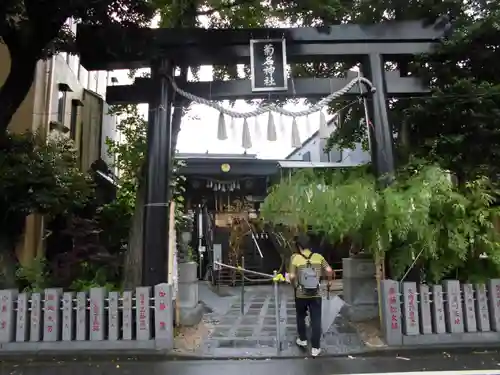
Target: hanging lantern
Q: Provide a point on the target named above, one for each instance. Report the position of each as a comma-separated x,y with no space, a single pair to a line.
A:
221,128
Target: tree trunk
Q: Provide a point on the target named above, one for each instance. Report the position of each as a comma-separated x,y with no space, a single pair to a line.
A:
8,264
132,270
16,86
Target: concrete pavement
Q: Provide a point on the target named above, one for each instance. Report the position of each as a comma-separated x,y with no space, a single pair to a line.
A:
439,363
253,333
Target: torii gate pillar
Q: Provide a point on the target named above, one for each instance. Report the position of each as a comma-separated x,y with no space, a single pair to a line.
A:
380,131
156,219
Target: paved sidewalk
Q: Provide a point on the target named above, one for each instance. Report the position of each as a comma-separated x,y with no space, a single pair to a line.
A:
253,333
415,364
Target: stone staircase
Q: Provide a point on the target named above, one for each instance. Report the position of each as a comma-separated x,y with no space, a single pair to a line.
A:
259,255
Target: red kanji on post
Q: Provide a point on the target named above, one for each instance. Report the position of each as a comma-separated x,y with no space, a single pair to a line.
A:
162,293
162,306
163,326
395,322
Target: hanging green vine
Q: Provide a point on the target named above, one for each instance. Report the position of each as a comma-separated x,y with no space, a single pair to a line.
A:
423,218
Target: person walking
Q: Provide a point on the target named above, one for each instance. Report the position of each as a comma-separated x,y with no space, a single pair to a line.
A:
306,269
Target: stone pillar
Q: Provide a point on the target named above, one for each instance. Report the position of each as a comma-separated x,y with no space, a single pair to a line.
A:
425,310
188,286
360,288
7,315
113,316
411,313
142,319
482,310
127,316
438,309
22,317
453,307
190,310
163,316
82,325
470,319
97,296
68,320
52,314
494,303
391,312
36,322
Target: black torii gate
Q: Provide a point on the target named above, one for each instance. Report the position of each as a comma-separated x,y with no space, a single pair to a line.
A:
108,48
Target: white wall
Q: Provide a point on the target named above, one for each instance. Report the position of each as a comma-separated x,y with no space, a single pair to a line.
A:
68,70
315,147
109,131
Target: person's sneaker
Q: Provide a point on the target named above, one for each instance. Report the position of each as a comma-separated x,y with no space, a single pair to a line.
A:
301,343
315,352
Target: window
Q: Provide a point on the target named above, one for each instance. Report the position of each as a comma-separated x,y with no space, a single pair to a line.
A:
306,156
335,155
332,156
61,104
74,118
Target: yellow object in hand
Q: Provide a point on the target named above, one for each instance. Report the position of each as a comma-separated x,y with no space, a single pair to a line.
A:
279,278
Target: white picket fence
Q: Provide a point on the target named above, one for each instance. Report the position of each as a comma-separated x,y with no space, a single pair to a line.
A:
62,320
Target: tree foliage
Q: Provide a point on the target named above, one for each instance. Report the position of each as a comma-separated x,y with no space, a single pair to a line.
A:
38,177
129,154
35,29
422,217
463,104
